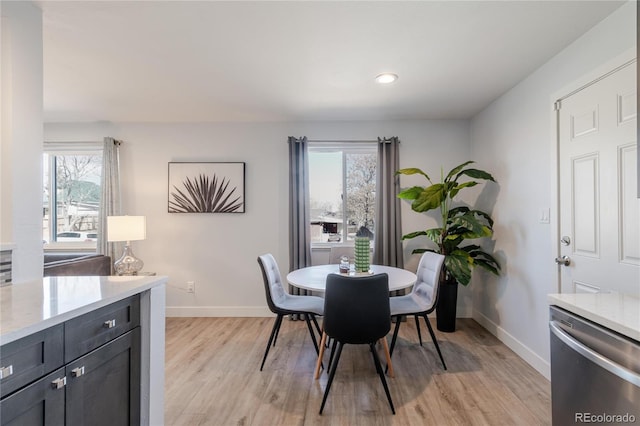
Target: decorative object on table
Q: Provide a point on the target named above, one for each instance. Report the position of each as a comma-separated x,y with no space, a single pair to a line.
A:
344,265
458,224
362,249
206,187
127,228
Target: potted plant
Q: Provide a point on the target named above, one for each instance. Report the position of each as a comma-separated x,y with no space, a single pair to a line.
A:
459,223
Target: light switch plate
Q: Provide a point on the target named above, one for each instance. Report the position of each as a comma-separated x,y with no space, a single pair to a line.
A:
543,216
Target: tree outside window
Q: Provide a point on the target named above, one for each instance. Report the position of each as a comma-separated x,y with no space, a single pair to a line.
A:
342,187
71,198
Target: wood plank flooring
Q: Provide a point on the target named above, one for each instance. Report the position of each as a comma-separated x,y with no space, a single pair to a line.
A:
213,378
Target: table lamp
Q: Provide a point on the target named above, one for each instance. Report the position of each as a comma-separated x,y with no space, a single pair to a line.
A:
127,228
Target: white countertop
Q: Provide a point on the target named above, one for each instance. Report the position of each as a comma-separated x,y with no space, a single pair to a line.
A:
616,311
27,308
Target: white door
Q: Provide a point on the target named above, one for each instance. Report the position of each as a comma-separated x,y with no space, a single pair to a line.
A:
599,213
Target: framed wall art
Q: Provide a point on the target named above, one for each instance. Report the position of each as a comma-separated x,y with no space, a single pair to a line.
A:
206,187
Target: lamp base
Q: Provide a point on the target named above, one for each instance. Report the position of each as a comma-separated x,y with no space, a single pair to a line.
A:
128,264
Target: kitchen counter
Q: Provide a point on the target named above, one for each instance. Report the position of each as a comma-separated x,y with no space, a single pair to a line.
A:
615,311
31,307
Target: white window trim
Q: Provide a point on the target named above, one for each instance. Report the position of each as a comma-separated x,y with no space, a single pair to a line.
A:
368,147
62,148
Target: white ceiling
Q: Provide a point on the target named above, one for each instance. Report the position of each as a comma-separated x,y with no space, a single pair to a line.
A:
183,61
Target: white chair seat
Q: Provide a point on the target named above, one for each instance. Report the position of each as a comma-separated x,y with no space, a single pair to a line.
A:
417,301
311,304
403,305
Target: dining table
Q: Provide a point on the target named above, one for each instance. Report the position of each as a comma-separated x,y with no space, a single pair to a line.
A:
314,278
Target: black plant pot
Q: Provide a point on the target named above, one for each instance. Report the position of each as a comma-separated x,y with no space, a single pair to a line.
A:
446,307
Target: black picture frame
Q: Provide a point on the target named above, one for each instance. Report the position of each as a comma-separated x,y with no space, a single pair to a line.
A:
206,187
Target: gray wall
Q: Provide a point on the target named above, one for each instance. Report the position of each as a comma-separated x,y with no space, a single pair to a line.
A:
513,138
219,251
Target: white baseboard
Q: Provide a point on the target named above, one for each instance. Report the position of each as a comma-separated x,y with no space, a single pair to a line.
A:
515,345
218,311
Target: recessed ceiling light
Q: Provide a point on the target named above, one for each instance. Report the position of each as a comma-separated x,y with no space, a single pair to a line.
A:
386,78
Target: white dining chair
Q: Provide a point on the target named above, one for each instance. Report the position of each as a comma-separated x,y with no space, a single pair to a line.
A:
282,303
422,299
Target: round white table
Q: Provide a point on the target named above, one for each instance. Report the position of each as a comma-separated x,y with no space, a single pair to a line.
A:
314,277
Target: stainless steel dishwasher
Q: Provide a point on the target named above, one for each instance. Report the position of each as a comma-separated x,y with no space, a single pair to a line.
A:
595,373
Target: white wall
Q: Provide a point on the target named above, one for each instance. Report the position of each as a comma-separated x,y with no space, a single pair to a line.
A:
219,251
21,146
513,138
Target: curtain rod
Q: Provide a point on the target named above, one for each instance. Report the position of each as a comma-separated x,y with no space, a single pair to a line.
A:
342,141
385,140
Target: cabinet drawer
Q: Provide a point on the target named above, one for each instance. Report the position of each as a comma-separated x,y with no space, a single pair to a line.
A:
30,358
87,332
40,403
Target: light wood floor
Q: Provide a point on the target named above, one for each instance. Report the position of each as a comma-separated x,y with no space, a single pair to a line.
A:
213,378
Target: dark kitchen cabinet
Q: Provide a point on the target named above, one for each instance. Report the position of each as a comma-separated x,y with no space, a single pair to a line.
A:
83,372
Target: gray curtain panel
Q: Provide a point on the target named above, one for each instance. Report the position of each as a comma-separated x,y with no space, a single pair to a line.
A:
110,196
388,235
299,208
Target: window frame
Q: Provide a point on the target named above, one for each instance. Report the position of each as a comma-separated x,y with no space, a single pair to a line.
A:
53,149
346,147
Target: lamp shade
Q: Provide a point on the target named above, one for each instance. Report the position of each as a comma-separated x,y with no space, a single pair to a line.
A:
126,228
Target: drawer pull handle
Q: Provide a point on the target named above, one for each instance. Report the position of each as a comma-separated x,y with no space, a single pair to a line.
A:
59,383
6,371
77,372
110,323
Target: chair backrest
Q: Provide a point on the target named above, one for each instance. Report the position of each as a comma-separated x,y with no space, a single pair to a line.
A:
273,287
338,251
356,309
425,290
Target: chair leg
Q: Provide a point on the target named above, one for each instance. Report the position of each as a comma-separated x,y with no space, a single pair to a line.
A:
376,360
435,341
319,363
315,322
385,346
333,351
418,327
332,373
311,332
395,334
275,338
274,331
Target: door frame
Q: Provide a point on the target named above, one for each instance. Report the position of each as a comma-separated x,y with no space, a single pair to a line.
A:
626,58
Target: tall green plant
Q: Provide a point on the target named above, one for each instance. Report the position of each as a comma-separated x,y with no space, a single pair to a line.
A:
458,223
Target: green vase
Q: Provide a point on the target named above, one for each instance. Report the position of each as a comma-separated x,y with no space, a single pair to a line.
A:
362,254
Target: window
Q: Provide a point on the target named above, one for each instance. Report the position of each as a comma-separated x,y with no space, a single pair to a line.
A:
342,190
71,195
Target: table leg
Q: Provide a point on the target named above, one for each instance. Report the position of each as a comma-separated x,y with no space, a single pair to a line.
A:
319,363
388,356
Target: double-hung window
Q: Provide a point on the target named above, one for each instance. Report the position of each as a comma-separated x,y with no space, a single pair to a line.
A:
71,195
342,190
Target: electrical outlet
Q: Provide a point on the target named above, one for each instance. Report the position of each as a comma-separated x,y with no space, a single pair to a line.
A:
191,287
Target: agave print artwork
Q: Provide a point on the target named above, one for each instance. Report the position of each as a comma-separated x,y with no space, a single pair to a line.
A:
206,187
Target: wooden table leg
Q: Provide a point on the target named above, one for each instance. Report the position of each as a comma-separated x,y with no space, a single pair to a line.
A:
320,354
386,354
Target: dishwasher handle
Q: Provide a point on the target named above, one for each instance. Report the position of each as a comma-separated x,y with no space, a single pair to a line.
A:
593,356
